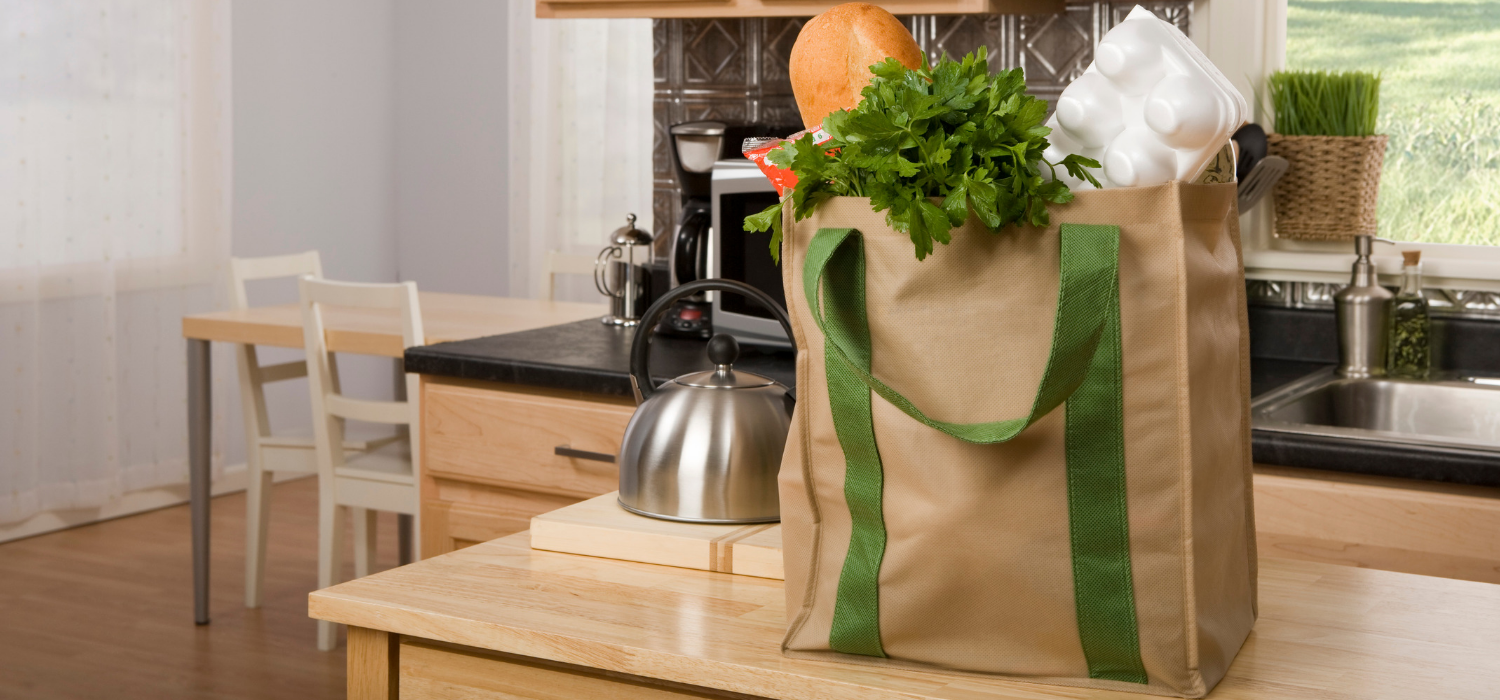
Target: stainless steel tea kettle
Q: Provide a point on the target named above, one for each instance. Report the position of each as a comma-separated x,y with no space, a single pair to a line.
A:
705,447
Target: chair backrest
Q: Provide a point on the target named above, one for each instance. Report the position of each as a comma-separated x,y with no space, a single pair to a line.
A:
242,270
252,375
559,263
330,406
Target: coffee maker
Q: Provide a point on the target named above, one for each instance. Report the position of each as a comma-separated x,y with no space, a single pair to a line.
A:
695,147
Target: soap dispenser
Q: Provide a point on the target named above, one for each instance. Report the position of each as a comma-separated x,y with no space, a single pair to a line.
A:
1363,310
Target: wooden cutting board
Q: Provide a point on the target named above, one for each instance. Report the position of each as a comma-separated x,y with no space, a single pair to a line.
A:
599,527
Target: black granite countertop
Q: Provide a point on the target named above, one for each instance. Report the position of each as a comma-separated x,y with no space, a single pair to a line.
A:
591,357
586,356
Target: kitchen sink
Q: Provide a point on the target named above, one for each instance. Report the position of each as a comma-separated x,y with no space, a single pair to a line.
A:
1451,411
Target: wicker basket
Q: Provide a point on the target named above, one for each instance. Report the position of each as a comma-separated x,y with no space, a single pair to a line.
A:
1330,189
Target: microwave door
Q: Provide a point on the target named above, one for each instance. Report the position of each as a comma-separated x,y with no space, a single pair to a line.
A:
738,190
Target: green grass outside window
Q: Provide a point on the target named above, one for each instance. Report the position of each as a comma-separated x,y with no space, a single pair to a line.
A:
1439,63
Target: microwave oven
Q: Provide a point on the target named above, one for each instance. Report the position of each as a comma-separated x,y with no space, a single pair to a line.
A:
738,189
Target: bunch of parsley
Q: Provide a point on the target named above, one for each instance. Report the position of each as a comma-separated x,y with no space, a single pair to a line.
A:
953,132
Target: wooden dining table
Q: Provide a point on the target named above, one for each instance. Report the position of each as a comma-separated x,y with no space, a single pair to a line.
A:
445,317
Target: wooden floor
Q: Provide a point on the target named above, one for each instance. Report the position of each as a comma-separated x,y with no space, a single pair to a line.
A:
105,610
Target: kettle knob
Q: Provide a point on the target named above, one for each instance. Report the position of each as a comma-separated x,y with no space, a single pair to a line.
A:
723,349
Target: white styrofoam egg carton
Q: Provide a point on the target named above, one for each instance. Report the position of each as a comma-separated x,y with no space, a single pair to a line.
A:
1151,108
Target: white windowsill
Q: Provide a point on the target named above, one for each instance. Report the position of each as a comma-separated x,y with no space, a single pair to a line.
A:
1444,266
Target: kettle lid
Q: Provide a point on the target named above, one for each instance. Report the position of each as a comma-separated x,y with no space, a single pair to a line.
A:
724,379
723,350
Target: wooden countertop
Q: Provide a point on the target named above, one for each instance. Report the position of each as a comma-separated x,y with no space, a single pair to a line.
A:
1324,631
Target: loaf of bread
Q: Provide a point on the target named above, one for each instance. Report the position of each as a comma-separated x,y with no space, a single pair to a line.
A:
831,60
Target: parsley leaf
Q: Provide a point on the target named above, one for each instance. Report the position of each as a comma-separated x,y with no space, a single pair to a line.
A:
951,132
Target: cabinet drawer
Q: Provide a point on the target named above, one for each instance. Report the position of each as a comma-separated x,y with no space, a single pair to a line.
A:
507,438
432,670
457,514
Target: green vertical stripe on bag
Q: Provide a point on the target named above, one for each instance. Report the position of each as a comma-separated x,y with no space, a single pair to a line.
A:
856,628
1083,369
1098,522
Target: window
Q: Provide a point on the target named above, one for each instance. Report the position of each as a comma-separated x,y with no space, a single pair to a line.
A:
1440,101
1440,105
92,118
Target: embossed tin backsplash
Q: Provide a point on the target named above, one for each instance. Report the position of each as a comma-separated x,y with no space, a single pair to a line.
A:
735,70
1464,303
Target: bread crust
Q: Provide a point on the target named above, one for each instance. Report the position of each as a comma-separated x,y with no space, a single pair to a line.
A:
831,59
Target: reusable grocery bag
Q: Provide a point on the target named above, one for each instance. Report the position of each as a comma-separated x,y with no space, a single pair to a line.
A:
1028,455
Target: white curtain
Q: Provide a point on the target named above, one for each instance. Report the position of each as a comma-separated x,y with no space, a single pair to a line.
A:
580,138
114,140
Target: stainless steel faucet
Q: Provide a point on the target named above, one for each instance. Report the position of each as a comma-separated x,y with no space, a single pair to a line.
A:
1363,310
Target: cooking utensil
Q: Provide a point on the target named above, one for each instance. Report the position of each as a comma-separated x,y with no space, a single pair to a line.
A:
1253,147
1259,182
705,447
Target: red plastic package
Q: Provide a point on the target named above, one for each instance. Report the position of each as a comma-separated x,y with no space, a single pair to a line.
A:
758,147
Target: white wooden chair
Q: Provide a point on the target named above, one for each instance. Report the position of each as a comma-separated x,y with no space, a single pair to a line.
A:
559,263
381,479
267,454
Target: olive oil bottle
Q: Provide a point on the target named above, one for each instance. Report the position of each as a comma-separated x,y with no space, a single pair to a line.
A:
1410,352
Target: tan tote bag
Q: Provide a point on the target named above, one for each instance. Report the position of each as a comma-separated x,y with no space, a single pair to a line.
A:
1028,455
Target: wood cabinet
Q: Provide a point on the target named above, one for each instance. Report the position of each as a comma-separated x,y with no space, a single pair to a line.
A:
1416,527
490,456
563,9
490,462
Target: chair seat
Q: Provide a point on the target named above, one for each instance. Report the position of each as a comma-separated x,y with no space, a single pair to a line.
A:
357,437
390,463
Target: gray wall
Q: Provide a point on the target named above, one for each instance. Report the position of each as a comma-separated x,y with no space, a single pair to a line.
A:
450,111
375,132
314,161
314,132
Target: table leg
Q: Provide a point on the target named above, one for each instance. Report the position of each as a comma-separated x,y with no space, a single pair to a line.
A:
200,452
374,663
404,530
404,522
398,389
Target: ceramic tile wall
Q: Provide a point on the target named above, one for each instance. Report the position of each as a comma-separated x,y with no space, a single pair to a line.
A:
735,70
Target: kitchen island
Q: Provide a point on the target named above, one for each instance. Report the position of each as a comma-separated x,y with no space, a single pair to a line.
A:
500,620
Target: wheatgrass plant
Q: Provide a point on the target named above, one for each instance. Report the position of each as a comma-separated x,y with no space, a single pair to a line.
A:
1325,103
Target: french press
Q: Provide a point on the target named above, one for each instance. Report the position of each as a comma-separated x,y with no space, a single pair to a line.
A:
620,276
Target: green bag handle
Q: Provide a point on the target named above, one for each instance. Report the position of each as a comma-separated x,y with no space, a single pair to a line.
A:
1088,273
1083,369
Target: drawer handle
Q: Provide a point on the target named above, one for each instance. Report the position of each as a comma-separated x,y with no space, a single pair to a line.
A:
565,451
